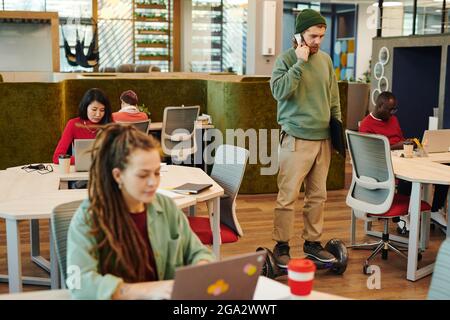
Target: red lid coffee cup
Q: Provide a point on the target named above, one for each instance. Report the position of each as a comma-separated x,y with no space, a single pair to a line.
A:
301,276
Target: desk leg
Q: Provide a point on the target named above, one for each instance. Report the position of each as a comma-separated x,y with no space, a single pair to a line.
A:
36,246
414,221
14,256
216,225
54,268
427,193
353,229
425,230
425,224
205,145
34,238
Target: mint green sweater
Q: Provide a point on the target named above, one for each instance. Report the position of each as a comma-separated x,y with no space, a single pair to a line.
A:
173,242
307,94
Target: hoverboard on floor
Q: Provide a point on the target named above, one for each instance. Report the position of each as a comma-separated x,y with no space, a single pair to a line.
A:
335,246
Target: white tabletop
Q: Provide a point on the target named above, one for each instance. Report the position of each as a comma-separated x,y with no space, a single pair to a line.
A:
266,289
178,175
423,169
31,195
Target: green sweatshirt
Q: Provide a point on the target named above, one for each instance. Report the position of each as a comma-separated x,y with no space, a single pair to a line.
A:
307,94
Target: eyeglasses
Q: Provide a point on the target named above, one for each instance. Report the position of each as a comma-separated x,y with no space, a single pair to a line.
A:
40,168
393,110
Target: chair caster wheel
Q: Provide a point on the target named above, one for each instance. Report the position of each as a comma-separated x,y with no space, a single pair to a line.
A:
402,231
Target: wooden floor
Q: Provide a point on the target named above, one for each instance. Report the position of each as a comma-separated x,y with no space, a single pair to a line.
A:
255,214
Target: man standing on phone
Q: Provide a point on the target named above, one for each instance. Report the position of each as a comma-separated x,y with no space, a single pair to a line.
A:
304,84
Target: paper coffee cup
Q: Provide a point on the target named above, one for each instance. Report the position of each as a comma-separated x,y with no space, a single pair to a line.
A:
64,163
301,276
408,149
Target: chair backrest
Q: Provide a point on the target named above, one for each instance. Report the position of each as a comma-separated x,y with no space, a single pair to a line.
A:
140,125
228,171
141,68
107,69
60,221
154,69
440,282
179,118
373,181
126,67
178,130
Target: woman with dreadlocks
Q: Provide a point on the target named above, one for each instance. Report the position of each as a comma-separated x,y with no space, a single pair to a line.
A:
126,240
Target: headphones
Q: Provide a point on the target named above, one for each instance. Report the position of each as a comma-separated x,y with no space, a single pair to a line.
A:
39,166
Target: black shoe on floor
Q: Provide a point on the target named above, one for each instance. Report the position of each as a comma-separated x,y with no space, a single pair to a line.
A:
281,254
315,250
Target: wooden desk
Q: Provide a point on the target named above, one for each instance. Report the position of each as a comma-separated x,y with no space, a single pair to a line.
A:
420,171
32,196
266,289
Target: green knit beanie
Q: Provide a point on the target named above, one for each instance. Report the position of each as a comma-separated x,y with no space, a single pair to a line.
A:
308,18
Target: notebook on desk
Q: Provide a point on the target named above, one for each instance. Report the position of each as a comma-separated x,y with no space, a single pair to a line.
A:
234,278
192,188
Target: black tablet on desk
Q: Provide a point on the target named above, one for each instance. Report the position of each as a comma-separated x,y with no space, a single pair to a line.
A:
192,188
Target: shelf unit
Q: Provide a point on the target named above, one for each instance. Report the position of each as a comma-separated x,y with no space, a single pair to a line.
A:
207,36
152,32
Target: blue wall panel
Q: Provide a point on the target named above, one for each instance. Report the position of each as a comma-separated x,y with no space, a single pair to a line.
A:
446,121
415,83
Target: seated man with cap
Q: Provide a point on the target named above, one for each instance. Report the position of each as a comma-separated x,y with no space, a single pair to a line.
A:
129,112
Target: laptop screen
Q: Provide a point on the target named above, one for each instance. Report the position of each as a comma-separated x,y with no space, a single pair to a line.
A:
234,278
436,140
82,152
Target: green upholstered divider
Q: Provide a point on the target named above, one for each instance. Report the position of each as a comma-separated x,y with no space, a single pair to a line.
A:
33,115
247,105
29,122
156,94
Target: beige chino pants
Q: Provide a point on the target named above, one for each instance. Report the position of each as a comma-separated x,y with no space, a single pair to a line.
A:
301,161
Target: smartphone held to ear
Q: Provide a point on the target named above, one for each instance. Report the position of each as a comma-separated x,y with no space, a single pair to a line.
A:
300,40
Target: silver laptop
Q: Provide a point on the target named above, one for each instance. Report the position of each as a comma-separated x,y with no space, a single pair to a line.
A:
82,151
229,279
436,140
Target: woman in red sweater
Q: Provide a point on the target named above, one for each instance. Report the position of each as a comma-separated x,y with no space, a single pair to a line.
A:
94,109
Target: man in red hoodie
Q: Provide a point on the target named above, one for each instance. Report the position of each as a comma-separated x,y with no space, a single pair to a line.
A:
383,121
